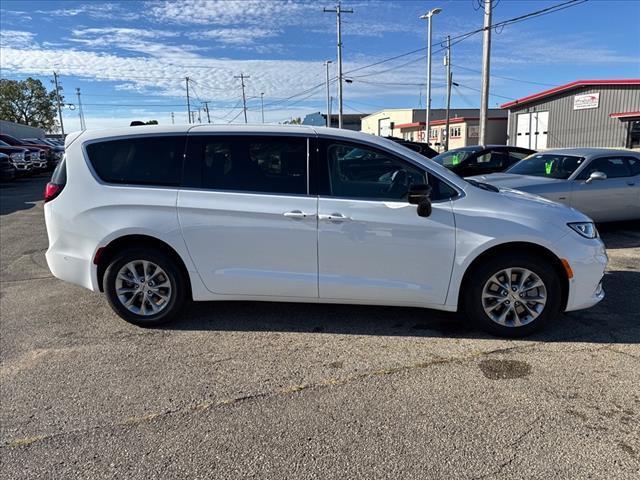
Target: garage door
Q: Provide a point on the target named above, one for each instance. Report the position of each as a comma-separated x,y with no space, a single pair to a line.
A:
523,130
540,124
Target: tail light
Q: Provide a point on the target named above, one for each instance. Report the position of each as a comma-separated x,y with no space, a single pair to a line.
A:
51,191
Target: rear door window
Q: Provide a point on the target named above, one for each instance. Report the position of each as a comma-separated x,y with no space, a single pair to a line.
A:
612,167
260,164
155,161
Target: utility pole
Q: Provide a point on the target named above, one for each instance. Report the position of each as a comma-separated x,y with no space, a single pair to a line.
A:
486,58
428,16
328,122
262,105
338,10
206,108
244,98
58,88
83,126
188,104
173,120
330,109
447,63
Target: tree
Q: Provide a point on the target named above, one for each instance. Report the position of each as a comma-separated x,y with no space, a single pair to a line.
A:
293,121
29,103
152,122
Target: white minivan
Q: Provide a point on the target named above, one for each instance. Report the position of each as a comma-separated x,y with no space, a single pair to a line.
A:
156,216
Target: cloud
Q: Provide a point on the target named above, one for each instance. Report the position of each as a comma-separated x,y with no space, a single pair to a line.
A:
230,12
134,40
16,39
235,36
104,11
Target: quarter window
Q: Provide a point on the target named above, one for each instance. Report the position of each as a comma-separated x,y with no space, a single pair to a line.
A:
634,165
139,160
255,164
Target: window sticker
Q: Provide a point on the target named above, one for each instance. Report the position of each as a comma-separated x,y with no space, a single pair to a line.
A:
547,167
455,160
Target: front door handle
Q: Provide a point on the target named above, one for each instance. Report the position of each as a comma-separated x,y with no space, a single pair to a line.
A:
333,217
295,214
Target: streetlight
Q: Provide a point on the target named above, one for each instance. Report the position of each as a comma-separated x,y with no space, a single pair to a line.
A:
427,16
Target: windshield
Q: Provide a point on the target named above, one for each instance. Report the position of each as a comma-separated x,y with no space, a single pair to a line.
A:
547,165
454,157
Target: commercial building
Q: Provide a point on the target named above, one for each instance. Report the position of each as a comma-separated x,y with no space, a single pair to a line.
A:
409,124
584,113
20,131
350,121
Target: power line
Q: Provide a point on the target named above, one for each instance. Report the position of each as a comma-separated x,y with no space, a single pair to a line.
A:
506,78
458,38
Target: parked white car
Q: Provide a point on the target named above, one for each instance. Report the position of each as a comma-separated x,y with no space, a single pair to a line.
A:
154,216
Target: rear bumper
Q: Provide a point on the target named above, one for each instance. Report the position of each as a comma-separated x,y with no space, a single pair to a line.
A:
68,257
588,260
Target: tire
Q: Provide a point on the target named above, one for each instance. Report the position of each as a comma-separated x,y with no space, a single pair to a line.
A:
164,289
528,313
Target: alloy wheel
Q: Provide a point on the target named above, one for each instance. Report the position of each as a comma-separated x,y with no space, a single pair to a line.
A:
143,287
514,297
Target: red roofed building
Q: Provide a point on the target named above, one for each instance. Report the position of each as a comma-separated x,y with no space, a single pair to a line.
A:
584,113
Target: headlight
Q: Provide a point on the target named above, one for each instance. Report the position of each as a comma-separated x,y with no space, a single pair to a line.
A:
586,229
17,156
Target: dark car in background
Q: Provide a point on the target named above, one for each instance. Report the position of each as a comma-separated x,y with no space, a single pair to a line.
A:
422,148
7,172
54,154
19,157
39,154
481,159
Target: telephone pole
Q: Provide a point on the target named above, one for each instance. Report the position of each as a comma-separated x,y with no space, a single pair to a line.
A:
58,88
486,56
447,63
328,122
262,105
206,108
83,126
188,103
173,120
338,10
242,76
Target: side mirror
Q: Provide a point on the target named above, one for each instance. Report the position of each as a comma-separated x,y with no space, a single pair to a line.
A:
596,176
419,195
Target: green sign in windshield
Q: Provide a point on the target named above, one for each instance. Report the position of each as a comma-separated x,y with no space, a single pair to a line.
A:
455,160
547,167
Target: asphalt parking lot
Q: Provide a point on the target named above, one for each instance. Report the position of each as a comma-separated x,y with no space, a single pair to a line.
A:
238,390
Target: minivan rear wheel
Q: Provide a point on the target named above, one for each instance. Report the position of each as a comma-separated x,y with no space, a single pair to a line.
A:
144,286
513,295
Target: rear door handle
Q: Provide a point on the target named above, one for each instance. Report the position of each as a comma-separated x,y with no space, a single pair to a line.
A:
333,217
295,214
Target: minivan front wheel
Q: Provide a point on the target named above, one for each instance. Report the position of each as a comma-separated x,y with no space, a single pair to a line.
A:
513,295
144,286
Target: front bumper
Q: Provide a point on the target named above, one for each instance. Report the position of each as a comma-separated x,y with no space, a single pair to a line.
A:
588,260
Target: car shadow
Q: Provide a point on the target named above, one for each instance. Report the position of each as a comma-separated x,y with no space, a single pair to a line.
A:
22,193
620,234
614,320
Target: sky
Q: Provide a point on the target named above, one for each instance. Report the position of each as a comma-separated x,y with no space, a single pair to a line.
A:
130,58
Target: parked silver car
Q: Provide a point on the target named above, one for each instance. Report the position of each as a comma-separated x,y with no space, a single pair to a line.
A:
602,183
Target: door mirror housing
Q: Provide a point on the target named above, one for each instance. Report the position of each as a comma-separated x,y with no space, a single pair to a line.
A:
596,176
419,195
